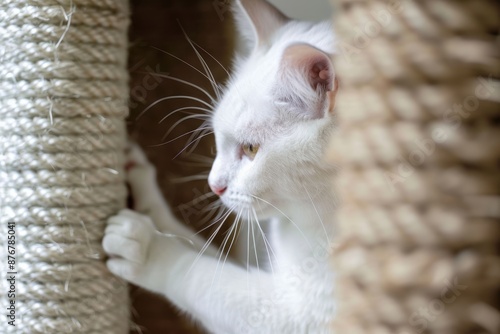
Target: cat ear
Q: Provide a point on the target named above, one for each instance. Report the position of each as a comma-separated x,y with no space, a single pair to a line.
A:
314,65
309,75
258,20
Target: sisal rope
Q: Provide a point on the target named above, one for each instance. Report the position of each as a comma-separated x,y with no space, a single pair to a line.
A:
63,101
418,228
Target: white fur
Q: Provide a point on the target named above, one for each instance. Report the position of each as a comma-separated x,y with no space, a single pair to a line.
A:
294,293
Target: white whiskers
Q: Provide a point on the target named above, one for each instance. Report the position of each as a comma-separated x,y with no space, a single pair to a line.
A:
288,218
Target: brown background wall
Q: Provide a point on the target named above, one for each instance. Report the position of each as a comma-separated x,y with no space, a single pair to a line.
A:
156,25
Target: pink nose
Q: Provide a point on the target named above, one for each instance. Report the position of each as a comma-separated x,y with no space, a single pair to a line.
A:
218,190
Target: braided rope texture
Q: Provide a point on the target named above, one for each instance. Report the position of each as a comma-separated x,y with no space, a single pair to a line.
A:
63,101
419,150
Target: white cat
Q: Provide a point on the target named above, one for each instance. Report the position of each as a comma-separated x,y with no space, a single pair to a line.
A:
272,127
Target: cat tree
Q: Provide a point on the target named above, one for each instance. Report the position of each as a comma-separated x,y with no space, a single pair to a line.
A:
63,101
418,147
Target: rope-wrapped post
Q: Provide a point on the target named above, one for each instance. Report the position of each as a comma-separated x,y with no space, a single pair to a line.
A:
419,151
63,101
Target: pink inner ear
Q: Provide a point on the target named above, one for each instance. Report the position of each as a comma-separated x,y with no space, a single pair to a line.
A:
321,75
316,65
324,74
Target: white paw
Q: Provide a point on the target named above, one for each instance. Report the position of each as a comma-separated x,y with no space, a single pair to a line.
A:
141,176
127,240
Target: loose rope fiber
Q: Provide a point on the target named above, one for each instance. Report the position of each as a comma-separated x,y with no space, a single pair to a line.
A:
63,101
419,153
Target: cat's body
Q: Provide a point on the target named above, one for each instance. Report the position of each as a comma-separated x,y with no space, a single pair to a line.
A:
272,128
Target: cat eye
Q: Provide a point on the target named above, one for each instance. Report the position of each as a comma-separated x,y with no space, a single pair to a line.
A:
250,150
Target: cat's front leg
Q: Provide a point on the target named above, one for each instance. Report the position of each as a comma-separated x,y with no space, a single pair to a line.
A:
222,295
148,199
146,195
150,259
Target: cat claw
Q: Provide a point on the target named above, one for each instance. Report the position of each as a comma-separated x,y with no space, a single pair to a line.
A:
135,156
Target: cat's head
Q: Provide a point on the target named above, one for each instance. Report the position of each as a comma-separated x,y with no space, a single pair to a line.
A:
273,123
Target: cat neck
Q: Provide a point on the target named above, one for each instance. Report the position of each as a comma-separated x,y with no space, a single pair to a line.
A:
305,233
311,218
314,210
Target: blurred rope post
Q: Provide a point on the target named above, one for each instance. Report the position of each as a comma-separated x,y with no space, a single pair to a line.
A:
63,100
419,152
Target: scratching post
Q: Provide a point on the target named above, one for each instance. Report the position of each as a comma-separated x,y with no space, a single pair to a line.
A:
63,100
419,149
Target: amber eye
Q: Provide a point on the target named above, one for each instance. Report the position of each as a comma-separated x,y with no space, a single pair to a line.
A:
250,150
